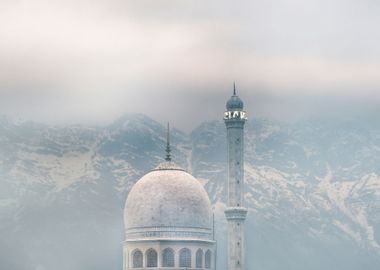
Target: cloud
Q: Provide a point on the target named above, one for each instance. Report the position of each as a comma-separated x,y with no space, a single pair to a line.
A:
94,60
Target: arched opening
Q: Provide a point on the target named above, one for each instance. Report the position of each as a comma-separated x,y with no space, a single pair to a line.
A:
168,257
208,259
151,258
137,259
185,257
199,259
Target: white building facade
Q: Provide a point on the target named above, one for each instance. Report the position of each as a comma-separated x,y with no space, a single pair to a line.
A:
168,216
168,222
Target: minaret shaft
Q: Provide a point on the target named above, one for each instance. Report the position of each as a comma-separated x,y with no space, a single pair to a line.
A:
235,212
235,140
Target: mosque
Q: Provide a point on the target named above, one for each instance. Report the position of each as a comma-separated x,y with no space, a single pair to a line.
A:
168,215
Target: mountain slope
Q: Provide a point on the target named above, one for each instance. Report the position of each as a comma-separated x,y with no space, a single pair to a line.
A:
312,189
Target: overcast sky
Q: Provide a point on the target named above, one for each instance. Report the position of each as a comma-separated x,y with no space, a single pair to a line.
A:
90,61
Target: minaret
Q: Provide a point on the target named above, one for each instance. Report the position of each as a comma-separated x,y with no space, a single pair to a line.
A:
235,118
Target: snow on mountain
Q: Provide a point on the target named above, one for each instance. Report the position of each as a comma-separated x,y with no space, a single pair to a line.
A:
312,190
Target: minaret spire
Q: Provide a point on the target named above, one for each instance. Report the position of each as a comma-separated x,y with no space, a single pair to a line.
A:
168,150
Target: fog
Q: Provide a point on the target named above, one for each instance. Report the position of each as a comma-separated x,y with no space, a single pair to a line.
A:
92,61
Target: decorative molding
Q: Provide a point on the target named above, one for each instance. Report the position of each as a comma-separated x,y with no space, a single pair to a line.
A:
169,232
236,213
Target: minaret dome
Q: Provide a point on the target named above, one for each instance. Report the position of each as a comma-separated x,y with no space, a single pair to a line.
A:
234,103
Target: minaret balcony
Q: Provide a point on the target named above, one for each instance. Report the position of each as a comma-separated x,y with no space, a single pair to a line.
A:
236,213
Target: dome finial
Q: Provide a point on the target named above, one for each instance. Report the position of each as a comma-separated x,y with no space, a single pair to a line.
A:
234,89
168,157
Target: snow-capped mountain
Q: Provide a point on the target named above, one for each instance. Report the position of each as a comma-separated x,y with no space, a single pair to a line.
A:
312,189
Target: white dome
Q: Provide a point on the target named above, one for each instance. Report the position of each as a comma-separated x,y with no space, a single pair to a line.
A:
168,197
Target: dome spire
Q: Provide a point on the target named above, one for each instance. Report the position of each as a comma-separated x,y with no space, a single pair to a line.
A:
234,89
168,157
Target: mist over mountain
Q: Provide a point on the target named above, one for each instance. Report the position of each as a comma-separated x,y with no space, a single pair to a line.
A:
312,190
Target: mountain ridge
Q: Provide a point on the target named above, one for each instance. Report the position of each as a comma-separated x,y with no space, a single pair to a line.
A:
312,190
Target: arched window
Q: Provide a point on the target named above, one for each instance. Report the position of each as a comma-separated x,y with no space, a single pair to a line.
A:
137,259
199,258
185,257
208,259
151,258
168,257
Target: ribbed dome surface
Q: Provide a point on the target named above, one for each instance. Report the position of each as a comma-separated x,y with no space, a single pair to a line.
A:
168,197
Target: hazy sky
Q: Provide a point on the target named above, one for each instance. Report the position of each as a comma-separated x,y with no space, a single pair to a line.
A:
90,61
